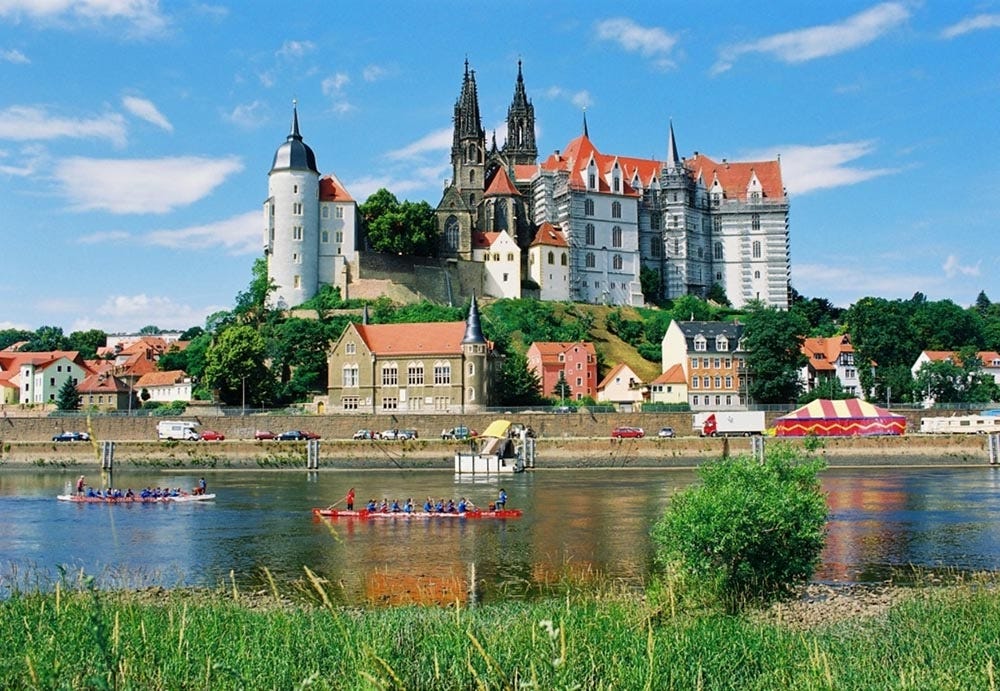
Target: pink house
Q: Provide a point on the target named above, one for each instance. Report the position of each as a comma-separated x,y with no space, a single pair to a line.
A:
576,361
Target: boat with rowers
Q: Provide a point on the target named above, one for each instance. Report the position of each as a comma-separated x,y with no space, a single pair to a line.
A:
365,514
136,499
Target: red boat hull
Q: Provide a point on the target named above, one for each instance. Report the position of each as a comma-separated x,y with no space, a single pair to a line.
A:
365,515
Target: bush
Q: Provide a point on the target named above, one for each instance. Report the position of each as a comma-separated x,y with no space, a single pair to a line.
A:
749,532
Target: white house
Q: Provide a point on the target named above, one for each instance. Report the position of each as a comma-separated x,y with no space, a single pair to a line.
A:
548,263
501,258
669,387
164,387
42,375
621,387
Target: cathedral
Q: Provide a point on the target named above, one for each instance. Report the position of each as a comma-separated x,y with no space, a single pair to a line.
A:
579,225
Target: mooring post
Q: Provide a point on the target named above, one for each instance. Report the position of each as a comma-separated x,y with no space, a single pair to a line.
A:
107,455
757,448
312,454
993,442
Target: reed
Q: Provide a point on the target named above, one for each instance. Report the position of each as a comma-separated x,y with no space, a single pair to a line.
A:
77,636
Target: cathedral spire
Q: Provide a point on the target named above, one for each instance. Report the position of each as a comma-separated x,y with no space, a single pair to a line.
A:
520,147
585,132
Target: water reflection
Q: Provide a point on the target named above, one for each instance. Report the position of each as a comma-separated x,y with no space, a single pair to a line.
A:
578,526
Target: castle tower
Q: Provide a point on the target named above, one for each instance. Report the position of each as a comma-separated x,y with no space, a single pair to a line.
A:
520,148
291,221
468,149
475,352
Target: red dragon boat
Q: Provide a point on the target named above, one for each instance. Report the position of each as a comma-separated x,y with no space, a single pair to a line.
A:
366,515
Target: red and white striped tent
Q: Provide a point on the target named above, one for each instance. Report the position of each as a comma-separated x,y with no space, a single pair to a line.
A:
842,418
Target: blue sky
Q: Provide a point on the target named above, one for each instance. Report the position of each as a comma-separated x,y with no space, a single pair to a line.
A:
136,136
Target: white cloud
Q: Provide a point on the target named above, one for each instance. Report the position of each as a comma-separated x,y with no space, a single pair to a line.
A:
30,160
240,234
295,49
425,180
846,283
145,110
28,123
953,268
970,24
373,73
580,99
248,116
14,56
650,42
334,83
823,40
142,16
104,236
439,140
131,312
142,186
809,168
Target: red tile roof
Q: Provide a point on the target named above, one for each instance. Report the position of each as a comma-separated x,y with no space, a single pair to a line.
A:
673,375
735,176
101,383
550,235
168,378
435,338
501,186
823,352
481,240
331,189
549,350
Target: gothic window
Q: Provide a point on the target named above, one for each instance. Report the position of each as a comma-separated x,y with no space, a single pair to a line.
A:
756,249
415,374
552,258
654,248
755,222
390,374
590,234
350,376
472,176
654,221
442,373
451,232
562,258
616,236
718,250
616,209
588,207
500,217
616,262
590,261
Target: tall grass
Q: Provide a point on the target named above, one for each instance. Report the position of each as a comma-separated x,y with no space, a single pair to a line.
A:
76,636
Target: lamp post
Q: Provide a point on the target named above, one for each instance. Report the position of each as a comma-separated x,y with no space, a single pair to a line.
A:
243,400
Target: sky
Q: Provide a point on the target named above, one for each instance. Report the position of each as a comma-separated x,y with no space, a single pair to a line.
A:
136,135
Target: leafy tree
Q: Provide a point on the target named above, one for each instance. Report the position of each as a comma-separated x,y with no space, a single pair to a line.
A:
520,385
649,280
964,381
408,228
821,314
298,352
983,304
150,330
717,294
47,338
561,387
829,388
87,342
236,363
251,304
943,325
689,308
192,333
774,354
8,337
881,333
68,397
749,532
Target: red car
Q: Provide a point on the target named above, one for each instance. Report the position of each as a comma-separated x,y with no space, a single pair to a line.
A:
212,435
262,434
628,433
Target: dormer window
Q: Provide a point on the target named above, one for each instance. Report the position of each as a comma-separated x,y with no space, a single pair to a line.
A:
721,344
700,344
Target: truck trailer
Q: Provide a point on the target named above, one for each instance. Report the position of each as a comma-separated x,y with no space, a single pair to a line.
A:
729,423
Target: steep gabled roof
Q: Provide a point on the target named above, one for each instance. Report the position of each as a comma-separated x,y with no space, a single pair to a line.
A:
673,375
824,352
483,240
620,368
548,234
501,186
331,189
734,176
549,351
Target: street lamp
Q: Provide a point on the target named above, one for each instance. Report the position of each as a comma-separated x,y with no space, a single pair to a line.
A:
244,398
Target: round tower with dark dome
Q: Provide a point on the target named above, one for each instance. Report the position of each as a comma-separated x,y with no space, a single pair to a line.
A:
291,221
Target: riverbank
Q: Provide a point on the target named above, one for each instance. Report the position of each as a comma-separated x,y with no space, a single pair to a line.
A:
559,452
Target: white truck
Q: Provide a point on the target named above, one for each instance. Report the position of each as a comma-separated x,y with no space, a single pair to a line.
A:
184,430
960,424
729,423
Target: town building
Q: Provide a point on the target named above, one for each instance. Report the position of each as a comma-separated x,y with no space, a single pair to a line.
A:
164,387
40,376
548,263
990,360
831,357
622,388
713,359
443,367
106,392
565,369
670,387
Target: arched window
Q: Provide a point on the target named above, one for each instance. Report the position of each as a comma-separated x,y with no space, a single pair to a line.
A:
472,200
718,250
442,373
589,260
451,232
616,236
471,369
616,262
756,249
510,256
500,216
472,175
591,235
616,209
552,258
415,374
562,258
588,207
390,374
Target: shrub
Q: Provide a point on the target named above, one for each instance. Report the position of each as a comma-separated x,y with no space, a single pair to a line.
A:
749,532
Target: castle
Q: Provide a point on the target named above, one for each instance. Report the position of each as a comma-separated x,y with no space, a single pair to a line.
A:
579,225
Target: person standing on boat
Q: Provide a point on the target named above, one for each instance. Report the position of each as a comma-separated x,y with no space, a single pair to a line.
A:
202,486
80,484
501,501
350,499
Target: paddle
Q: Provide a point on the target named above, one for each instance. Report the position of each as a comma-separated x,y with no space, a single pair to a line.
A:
335,503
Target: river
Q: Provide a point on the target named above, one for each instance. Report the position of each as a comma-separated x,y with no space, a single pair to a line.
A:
578,525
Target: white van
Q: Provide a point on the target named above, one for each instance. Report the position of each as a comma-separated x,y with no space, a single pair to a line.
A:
177,429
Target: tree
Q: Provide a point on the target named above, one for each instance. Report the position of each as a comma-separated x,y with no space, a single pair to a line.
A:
235,367
150,330
689,308
749,532
773,341
68,397
9,337
408,228
960,381
298,352
251,304
87,342
881,333
520,384
649,280
717,294
47,338
829,388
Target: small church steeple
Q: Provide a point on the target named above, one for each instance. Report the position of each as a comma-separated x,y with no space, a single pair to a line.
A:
585,132
473,327
520,148
673,160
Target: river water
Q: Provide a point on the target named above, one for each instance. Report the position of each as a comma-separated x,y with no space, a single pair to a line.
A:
578,525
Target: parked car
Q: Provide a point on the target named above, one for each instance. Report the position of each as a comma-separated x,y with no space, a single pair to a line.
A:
296,435
71,436
666,433
628,433
460,432
389,434
407,434
365,434
212,435
262,434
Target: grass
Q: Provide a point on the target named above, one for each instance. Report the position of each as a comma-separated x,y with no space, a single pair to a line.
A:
75,636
